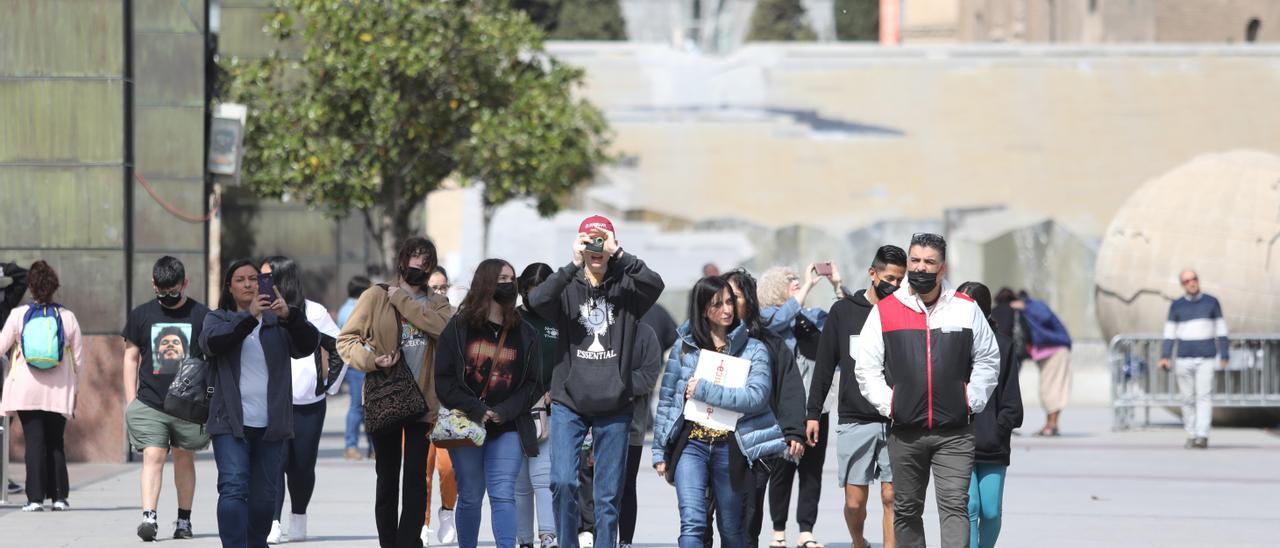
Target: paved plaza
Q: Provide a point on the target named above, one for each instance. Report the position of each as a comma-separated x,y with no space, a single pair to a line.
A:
1091,487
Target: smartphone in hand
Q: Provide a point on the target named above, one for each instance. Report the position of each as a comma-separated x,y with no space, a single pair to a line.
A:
266,286
823,268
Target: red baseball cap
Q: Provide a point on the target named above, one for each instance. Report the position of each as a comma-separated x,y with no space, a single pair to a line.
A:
595,222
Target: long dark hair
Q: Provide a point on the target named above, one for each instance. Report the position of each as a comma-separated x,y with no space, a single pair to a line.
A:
226,301
747,285
416,245
287,276
699,297
981,295
474,310
532,275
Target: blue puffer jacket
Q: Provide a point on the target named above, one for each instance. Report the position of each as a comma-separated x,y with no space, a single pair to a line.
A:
758,434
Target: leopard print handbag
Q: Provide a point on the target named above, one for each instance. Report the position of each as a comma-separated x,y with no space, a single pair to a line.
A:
391,396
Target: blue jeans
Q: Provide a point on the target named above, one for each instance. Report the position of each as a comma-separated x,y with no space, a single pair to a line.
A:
533,490
705,466
494,466
609,435
355,412
248,474
986,491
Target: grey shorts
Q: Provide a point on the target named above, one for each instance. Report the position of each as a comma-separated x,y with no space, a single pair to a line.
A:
862,450
150,427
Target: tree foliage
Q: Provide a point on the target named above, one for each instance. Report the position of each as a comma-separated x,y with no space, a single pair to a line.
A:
576,19
392,98
780,21
858,20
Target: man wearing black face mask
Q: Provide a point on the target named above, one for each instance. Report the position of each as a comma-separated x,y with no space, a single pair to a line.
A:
158,336
861,436
928,361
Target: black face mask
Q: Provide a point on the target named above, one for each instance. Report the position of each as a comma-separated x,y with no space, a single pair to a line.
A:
504,293
169,300
884,289
923,282
416,277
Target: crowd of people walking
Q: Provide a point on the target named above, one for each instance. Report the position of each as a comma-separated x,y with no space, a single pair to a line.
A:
539,389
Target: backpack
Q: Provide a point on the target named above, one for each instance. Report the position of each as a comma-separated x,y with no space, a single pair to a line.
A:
43,340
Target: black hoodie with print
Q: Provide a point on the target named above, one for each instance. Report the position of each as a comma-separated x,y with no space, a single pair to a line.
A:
598,329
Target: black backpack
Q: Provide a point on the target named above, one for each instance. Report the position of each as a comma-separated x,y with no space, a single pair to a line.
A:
191,391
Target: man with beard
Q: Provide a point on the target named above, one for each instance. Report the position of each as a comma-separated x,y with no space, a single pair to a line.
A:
165,326
170,349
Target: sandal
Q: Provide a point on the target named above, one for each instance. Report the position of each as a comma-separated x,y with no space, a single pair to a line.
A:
779,542
810,544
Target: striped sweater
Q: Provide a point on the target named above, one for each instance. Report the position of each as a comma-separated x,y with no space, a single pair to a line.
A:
1197,324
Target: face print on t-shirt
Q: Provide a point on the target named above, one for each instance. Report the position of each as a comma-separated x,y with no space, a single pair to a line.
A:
170,344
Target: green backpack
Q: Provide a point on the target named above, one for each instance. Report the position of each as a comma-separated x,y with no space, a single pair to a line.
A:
43,339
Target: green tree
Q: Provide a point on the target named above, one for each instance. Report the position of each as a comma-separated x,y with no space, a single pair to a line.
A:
390,99
858,20
576,19
779,21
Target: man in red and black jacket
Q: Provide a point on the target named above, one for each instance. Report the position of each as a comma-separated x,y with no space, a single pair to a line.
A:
928,361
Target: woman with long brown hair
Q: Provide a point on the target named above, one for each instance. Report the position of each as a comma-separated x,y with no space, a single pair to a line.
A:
488,368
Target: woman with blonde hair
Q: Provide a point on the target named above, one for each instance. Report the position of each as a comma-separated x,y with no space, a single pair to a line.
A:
782,295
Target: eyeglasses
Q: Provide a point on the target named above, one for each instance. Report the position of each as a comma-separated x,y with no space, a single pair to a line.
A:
1189,280
439,288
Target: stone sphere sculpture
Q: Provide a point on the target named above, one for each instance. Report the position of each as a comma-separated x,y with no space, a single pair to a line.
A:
1218,214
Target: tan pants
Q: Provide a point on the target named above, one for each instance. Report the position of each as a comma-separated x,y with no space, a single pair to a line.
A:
1055,381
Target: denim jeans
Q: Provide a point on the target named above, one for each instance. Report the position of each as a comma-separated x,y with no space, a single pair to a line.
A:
533,490
248,471
610,437
705,466
492,466
355,411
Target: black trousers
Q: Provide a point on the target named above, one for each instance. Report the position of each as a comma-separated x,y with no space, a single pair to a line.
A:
46,457
407,531
627,521
810,471
299,470
586,494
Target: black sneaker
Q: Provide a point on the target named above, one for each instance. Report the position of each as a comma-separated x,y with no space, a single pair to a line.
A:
14,488
182,529
147,530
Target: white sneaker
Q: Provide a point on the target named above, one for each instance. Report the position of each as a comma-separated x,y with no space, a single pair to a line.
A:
33,507
586,539
549,540
274,536
61,506
297,527
427,533
447,533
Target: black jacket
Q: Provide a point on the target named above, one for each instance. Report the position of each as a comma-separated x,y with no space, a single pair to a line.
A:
844,321
597,382
222,336
786,387
453,392
1003,412
644,378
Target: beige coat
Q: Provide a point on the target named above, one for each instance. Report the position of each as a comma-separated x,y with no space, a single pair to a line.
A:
372,330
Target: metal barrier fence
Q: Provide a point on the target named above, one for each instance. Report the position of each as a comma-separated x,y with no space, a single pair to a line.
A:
1251,378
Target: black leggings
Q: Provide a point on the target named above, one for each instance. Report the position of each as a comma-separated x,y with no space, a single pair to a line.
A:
299,462
627,522
783,477
46,458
